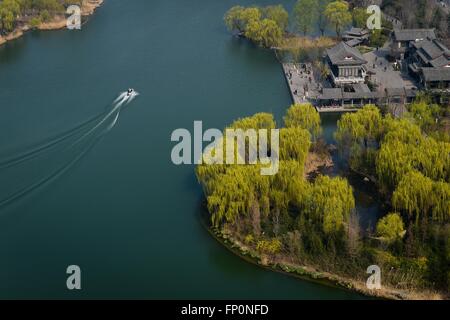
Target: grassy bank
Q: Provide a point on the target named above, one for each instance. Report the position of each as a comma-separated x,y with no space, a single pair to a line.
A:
281,264
45,21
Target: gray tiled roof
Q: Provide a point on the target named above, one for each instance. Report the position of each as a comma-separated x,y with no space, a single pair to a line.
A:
436,74
331,93
441,61
430,49
413,34
360,87
343,54
357,31
395,92
353,42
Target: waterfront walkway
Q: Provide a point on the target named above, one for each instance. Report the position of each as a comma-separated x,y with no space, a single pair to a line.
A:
301,82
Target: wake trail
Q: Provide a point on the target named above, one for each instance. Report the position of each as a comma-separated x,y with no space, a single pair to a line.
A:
36,151
34,186
55,142
98,120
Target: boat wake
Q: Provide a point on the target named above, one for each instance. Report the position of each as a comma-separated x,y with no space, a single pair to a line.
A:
30,170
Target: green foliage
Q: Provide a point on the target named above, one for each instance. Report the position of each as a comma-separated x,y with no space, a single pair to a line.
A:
35,22
358,136
411,166
330,202
305,12
264,26
422,198
9,10
391,227
321,19
271,246
32,11
402,271
338,15
360,16
404,148
426,115
237,18
235,193
45,16
390,148
249,239
304,116
294,144
264,32
257,121
278,14
377,38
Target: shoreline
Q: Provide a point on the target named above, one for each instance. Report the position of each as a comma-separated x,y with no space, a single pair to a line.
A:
56,23
310,273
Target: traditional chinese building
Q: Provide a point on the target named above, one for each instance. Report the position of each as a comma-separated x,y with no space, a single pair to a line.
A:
429,62
403,38
346,64
356,36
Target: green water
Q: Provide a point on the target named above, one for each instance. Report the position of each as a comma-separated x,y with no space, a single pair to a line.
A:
124,213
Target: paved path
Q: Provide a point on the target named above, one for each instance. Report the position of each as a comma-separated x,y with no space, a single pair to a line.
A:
301,81
385,75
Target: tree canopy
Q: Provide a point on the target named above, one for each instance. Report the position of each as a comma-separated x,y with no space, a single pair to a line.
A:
305,13
391,228
338,15
304,116
264,26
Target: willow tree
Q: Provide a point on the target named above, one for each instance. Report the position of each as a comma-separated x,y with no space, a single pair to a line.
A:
238,17
278,14
288,186
413,195
440,198
402,130
338,15
358,136
423,198
404,148
330,203
304,116
294,144
391,228
305,12
257,121
265,33
364,126
392,163
425,114
432,158
321,19
235,192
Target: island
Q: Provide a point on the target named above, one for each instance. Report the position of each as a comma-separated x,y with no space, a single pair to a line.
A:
391,86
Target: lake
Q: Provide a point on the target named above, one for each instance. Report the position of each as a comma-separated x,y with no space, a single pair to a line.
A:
123,212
